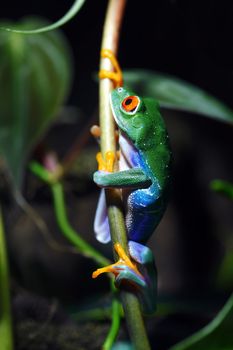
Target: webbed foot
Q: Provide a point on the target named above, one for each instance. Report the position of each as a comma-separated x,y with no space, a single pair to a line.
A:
107,163
96,132
143,255
115,76
139,274
123,263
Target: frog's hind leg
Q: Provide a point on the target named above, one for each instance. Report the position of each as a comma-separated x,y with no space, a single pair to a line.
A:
148,292
101,223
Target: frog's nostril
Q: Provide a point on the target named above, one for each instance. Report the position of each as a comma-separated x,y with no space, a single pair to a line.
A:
120,89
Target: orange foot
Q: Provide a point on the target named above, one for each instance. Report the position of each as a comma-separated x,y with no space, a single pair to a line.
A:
123,264
107,163
115,76
96,132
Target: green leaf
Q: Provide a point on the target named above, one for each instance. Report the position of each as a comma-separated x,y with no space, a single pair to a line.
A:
225,275
177,94
223,187
46,28
35,75
217,335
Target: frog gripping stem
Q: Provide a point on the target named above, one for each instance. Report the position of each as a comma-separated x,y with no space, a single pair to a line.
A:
137,274
124,261
106,164
116,75
144,180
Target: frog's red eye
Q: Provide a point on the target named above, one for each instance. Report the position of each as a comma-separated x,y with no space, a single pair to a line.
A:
130,103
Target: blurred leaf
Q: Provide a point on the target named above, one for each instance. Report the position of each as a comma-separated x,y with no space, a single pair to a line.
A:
225,273
177,94
217,335
45,28
35,75
223,187
85,164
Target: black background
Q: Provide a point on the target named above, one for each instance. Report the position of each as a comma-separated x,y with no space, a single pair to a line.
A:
193,41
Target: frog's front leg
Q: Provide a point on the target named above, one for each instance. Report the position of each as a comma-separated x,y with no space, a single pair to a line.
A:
137,274
132,178
123,179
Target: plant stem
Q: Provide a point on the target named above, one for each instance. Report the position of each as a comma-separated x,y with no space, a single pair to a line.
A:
61,214
96,314
199,340
89,251
68,231
6,335
60,211
116,316
113,197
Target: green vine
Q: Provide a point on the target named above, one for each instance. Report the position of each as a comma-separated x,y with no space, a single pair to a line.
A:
66,18
6,334
110,40
83,247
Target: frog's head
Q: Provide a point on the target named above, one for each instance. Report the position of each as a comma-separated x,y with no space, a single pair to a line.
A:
136,117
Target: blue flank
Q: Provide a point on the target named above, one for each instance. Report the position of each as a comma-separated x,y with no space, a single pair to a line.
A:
145,207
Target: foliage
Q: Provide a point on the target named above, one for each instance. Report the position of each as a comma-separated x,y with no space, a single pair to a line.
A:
216,335
35,77
174,93
38,28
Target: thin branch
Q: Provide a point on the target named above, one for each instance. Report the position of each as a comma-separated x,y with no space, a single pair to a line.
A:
61,215
77,147
68,231
83,247
6,336
110,41
116,316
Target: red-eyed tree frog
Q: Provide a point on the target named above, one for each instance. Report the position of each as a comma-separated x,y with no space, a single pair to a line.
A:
144,177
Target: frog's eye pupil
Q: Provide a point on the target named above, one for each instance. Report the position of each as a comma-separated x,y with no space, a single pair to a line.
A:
130,104
128,101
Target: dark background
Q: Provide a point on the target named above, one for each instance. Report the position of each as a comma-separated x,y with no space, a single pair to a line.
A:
188,39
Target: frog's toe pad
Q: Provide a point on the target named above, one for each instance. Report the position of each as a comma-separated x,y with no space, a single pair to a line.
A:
129,276
140,253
